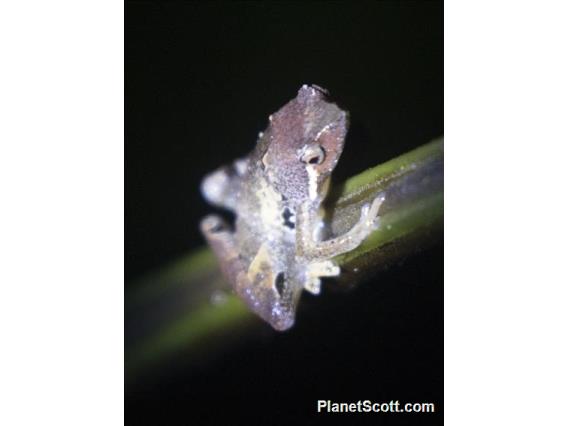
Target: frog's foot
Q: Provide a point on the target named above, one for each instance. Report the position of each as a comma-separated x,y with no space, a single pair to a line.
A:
369,220
212,225
221,239
316,270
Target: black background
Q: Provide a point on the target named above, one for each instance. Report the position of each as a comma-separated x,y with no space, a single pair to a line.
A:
201,79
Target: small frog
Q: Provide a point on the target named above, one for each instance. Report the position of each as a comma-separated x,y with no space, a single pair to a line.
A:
276,248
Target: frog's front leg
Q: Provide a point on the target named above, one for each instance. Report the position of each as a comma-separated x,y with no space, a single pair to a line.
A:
310,249
316,270
265,290
221,187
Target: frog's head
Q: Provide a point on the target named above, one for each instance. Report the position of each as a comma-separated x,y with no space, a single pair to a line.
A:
302,145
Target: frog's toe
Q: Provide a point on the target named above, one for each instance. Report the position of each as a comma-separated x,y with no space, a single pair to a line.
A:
213,224
313,285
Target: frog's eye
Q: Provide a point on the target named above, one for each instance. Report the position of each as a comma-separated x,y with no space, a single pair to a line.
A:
313,154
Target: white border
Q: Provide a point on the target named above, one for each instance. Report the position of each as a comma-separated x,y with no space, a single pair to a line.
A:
61,220
61,214
506,119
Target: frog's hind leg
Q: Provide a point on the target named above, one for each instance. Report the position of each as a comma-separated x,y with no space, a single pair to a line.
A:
254,280
220,238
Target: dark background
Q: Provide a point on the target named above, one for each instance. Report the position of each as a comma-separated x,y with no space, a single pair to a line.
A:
201,79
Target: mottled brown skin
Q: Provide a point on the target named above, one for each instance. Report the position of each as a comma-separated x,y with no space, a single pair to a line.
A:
274,251
298,124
